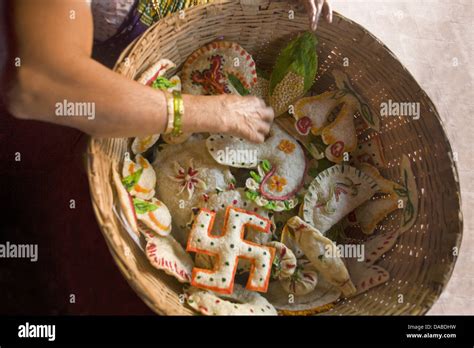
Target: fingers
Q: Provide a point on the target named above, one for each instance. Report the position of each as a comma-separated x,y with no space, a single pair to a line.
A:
257,138
263,128
316,9
312,13
327,12
245,117
268,114
261,103
256,129
319,9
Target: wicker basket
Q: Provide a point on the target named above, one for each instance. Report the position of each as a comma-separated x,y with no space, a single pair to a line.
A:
422,261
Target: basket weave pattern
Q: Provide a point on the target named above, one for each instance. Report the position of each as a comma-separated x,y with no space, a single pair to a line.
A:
421,262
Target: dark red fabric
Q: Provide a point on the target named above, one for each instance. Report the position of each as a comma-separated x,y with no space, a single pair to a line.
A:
35,195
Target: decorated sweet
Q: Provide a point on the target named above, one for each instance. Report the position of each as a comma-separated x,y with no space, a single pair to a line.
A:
340,135
345,87
385,185
365,274
409,193
187,176
126,203
139,181
371,213
369,151
217,68
368,277
334,193
284,263
165,253
280,164
218,202
302,281
396,196
154,214
240,302
154,77
316,301
158,69
312,144
322,253
227,248
316,115
312,113
294,72
139,177
288,239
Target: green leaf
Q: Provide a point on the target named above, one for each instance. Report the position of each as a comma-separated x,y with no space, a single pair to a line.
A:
251,195
367,114
271,205
132,179
262,73
339,94
143,207
299,57
234,81
405,179
401,192
162,83
408,213
266,166
255,176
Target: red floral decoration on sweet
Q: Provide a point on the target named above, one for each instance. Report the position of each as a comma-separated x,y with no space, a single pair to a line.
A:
212,79
188,178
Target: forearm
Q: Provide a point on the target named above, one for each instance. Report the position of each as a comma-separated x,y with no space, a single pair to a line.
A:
56,69
122,107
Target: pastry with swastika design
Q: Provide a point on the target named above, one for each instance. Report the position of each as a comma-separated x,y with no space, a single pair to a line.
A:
227,248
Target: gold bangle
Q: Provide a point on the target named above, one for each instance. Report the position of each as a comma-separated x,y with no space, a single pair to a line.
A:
178,107
170,110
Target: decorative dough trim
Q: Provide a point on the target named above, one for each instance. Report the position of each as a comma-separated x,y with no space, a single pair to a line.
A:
212,64
228,247
334,193
240,302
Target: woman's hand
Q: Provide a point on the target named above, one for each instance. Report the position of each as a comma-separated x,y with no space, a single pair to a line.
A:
316,9
244,117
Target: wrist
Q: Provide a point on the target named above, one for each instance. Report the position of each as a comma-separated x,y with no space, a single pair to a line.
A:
203,114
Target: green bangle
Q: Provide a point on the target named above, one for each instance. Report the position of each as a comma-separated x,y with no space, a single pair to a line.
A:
178,113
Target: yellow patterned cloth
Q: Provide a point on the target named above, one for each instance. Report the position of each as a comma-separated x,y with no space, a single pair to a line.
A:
142,15
161,8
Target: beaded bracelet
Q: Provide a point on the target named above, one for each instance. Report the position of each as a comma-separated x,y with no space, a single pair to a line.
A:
178,108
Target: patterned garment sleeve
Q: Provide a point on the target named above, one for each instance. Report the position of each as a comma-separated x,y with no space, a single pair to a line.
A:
118,22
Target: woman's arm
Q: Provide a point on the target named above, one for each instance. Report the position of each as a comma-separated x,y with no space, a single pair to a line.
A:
54,42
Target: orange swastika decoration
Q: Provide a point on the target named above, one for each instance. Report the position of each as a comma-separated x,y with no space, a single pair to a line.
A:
227,248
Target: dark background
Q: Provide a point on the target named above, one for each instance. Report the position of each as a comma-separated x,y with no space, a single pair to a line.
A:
34,209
